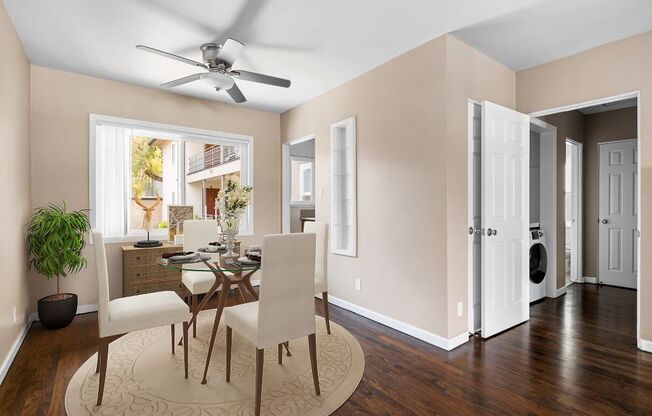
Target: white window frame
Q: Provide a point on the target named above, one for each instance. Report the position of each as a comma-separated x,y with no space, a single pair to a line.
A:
348,126
301,203
181,133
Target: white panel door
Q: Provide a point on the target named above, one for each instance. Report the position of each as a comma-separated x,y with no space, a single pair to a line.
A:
505,218
618,204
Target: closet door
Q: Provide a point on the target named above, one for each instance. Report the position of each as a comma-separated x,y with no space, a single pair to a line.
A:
505,218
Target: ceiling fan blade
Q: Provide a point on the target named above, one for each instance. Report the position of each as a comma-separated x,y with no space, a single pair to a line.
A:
263,79
230,51
181,81
170,55
236,94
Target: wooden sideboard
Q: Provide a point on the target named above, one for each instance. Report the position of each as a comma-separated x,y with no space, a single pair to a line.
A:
141,274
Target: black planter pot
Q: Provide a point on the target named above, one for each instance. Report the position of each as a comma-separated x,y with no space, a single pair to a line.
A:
55,314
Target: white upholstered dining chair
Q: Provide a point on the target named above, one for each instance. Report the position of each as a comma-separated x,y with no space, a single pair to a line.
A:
123,315
286,306
197,234
320,229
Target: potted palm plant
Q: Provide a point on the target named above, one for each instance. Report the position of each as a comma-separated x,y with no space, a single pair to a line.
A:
55,240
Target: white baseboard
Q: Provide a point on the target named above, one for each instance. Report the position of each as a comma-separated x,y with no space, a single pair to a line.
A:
590,279
645,345
559,292
13,351
429,337
92,307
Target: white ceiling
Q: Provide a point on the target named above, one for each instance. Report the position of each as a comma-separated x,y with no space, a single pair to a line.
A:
553,29
317,44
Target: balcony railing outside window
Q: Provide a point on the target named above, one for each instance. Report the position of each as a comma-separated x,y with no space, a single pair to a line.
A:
211,157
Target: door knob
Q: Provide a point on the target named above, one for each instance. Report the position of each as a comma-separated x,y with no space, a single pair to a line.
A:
491,232
604,221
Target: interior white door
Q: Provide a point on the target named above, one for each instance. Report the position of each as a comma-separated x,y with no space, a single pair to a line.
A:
618,204
505,218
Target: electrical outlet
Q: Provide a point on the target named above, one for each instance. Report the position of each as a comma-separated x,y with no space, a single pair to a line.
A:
320,193
460,309
357,284
14,312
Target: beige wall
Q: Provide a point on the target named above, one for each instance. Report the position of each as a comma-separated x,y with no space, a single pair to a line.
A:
401,168
616,68
61,103
569,124
412,178
15,174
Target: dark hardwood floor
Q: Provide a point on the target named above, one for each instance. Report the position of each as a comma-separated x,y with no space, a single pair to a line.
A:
577,355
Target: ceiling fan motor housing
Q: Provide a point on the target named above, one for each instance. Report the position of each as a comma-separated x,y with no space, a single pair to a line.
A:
209,53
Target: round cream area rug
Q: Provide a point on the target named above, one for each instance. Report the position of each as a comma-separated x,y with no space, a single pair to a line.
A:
144,378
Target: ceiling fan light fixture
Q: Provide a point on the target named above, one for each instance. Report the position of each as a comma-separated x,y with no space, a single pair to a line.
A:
217,80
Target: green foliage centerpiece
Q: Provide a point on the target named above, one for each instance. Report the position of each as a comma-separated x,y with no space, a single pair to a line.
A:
232,203
55,240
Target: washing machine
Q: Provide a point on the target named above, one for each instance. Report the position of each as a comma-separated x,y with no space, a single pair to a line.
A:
538,264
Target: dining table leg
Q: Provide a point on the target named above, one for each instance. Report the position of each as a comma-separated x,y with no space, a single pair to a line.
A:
224,294
199,307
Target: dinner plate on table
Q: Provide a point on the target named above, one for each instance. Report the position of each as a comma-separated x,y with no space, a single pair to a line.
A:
248,262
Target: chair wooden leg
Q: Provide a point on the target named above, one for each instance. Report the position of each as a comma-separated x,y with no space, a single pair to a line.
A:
324,297
287,348
260,360
104,354
172,332
185,349
313,362
195,304
229,341
99,358
280,353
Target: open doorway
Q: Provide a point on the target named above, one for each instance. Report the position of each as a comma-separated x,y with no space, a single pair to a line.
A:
606,132
593,196
298,184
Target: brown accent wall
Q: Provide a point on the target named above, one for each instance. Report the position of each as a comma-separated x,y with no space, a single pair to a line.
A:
569,125
61,104
15,174
590,130
599,128
609,70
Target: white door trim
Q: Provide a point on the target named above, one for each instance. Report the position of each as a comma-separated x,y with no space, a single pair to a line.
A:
579,246
470,312
286,178
632,94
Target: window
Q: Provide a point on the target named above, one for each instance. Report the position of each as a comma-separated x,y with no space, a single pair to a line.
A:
303,181
137,164
343,188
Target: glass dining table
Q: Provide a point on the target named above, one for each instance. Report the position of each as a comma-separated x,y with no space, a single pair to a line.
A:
228,273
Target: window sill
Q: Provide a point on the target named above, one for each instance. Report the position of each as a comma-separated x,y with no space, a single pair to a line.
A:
306,204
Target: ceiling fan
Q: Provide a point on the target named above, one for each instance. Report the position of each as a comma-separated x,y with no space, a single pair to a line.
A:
218,61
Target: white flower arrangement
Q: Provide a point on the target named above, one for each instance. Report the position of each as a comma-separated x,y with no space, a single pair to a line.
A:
233,200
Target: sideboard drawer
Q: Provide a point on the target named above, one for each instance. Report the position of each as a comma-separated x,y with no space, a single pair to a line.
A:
142,274
141,288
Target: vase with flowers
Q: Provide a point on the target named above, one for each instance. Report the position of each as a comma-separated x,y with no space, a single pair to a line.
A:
232,202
